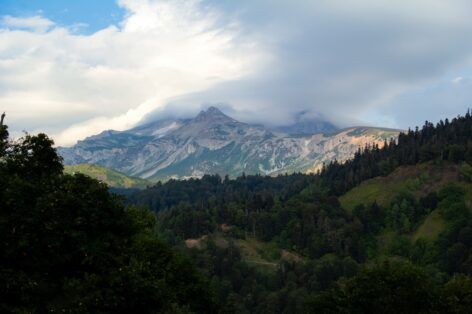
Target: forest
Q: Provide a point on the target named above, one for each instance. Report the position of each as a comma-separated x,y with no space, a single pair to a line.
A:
70,246
334,252
388,231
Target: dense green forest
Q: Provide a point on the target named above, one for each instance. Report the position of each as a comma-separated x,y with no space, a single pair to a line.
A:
69,246
389,231
327,243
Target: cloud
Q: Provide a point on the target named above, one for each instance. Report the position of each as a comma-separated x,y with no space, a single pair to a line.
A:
457,80
439,100
351,62
345,59
77,85
35,23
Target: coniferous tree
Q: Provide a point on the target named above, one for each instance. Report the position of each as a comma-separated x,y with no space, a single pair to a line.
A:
68,245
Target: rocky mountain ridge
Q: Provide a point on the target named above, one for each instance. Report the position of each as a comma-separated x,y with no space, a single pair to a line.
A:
213,142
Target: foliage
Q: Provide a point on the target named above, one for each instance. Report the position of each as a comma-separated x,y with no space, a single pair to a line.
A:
388,287
68,245
456,296
109,176
466,171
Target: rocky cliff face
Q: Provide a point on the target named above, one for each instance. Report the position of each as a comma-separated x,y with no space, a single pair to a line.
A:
215,143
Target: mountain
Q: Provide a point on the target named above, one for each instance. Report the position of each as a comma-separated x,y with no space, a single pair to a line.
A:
212,143
109,176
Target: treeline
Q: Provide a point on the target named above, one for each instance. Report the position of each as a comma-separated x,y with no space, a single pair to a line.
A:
448,141
212,190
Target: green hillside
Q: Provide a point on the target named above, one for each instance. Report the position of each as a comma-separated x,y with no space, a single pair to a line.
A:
288,238
261,256
109,176
419,180
431,227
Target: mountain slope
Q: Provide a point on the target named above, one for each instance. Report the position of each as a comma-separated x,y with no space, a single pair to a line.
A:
305,240
215,143
420,180
109,176
425,183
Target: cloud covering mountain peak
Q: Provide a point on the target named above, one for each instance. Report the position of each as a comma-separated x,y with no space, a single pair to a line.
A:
389,63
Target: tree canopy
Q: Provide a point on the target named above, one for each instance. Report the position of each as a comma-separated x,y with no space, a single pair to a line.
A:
68,245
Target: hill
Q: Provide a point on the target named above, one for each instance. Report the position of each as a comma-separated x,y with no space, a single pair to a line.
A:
420,180
287,239
109,176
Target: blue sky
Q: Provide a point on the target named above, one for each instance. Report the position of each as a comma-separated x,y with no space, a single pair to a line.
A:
75,68
94,15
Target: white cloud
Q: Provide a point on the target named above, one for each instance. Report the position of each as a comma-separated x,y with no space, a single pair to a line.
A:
35,23
457,80
266,60
346,59
78,85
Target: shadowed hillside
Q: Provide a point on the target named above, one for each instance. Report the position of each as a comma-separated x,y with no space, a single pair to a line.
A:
109,176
